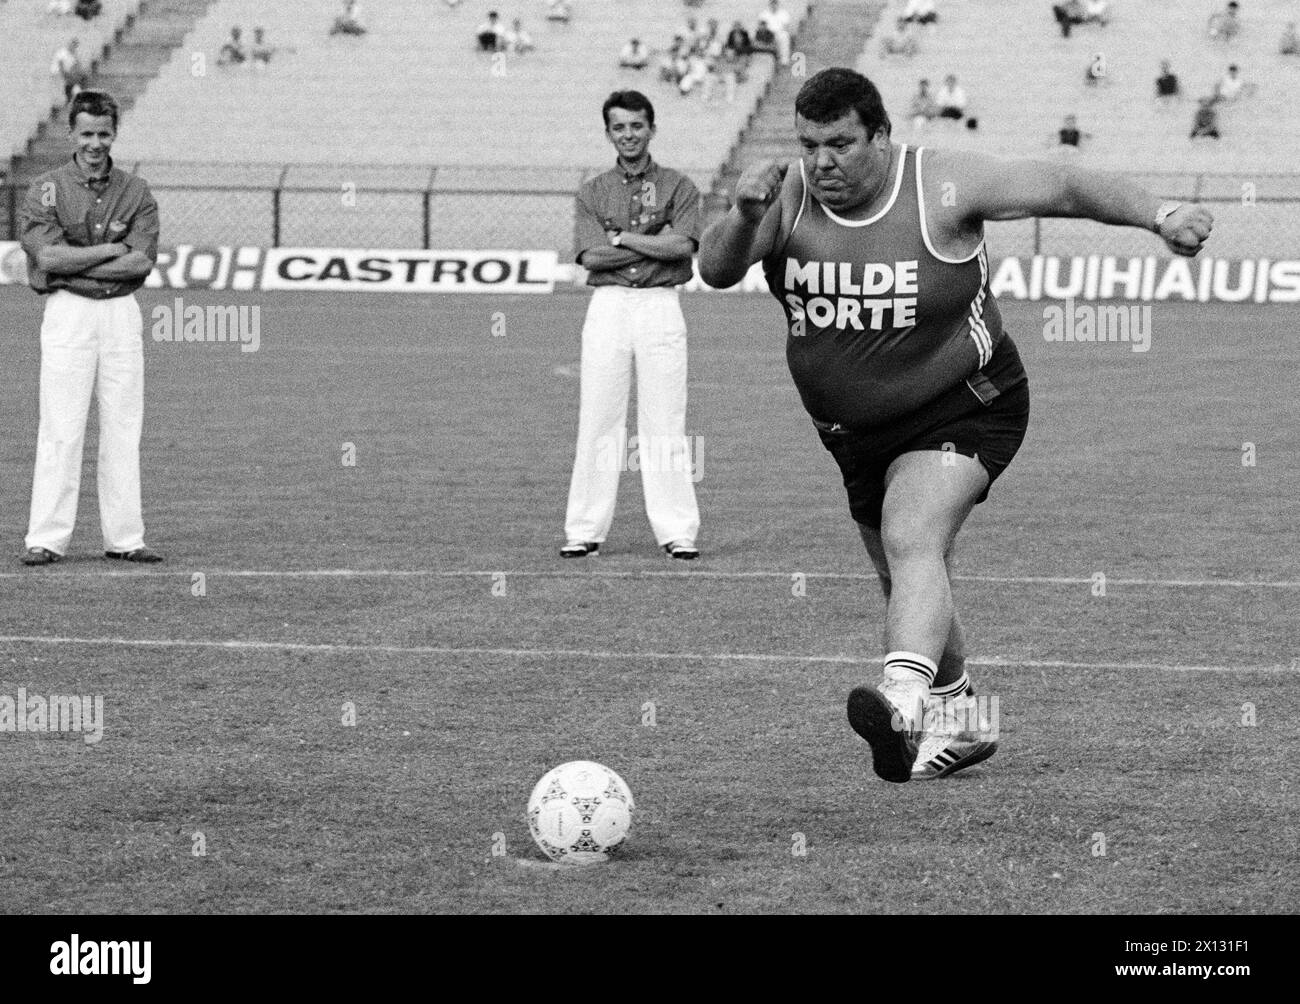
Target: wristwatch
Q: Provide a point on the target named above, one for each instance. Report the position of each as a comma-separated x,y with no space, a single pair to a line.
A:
1163,212
617,239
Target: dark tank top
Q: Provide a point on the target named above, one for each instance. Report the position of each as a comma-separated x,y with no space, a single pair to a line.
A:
879,325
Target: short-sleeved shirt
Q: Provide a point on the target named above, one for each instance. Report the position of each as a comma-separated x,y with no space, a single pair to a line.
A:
68,206
640,203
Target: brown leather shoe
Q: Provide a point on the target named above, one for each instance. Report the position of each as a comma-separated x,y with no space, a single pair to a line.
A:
40,556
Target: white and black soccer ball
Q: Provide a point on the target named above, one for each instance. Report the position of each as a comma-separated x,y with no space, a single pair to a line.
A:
580,812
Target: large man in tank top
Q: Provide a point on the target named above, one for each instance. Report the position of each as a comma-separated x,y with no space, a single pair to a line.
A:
876,253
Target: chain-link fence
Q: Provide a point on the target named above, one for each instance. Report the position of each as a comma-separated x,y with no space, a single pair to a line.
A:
499,208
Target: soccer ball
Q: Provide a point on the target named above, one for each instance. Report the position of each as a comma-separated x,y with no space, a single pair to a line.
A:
580,812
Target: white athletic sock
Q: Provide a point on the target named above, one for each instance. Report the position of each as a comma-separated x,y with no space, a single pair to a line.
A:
906,667
908,677
957,688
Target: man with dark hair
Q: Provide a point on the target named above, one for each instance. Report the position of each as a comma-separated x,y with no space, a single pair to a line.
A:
636,228
90,232
897,348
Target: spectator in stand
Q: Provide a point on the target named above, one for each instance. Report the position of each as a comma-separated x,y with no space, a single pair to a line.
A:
1225,25
1206,122
1068,137
490,34
692,33
559,10
920,12
1231,87
901,41
713,40
1290,42
88,10
1167,82
1096,12
1068,15
262,50
673,64
951,99
349,22
635,55
738,40
777,20
922,109
67,64
697,71
233,52
517,38
764,40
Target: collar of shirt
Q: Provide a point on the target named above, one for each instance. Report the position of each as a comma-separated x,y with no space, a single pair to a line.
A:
648,172
83,177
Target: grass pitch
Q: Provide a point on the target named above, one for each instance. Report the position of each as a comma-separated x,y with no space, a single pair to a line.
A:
1126,779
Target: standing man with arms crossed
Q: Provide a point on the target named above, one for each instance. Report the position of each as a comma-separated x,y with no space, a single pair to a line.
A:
90,231
636,227
896,346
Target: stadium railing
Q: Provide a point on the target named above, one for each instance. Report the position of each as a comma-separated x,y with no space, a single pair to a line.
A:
422,206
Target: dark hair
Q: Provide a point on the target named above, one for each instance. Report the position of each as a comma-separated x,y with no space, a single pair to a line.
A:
832,93
93,103
629,101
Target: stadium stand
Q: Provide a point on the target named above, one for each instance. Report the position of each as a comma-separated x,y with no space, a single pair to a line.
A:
1023,77
31,36
414,90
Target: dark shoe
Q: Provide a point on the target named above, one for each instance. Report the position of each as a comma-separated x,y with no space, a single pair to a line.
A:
579,549
877,720
682,550
144,555
40,556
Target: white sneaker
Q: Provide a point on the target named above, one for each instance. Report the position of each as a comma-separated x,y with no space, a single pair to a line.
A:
949,744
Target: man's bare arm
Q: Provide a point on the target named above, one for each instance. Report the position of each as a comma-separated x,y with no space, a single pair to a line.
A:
64,259
746,234
991,189
132,265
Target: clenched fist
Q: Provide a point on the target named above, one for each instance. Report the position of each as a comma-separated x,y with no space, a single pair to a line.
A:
758,187
1185,229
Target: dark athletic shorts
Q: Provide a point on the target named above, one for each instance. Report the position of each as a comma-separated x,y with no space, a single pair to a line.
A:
984,417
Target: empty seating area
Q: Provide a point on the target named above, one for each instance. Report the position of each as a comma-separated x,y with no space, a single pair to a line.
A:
31,36
414,90
1022,77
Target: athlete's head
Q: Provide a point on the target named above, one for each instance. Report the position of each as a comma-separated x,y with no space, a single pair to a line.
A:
629,123
844,131
92,121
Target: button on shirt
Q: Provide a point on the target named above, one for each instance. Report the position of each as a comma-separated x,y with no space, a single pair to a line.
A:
68,206
640,203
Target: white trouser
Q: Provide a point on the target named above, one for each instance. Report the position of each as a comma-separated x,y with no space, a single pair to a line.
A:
81,340
646,325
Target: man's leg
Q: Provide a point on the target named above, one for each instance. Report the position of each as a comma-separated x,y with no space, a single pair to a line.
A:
952,663
67,376
928,495
602,419
120,391
666,458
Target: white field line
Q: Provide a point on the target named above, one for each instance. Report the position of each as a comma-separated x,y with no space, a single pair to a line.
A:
333,648
685,573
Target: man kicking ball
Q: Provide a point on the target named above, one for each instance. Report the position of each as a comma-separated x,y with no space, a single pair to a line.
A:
876,253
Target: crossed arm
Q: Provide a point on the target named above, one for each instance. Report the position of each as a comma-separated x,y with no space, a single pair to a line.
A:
99,261
663,246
